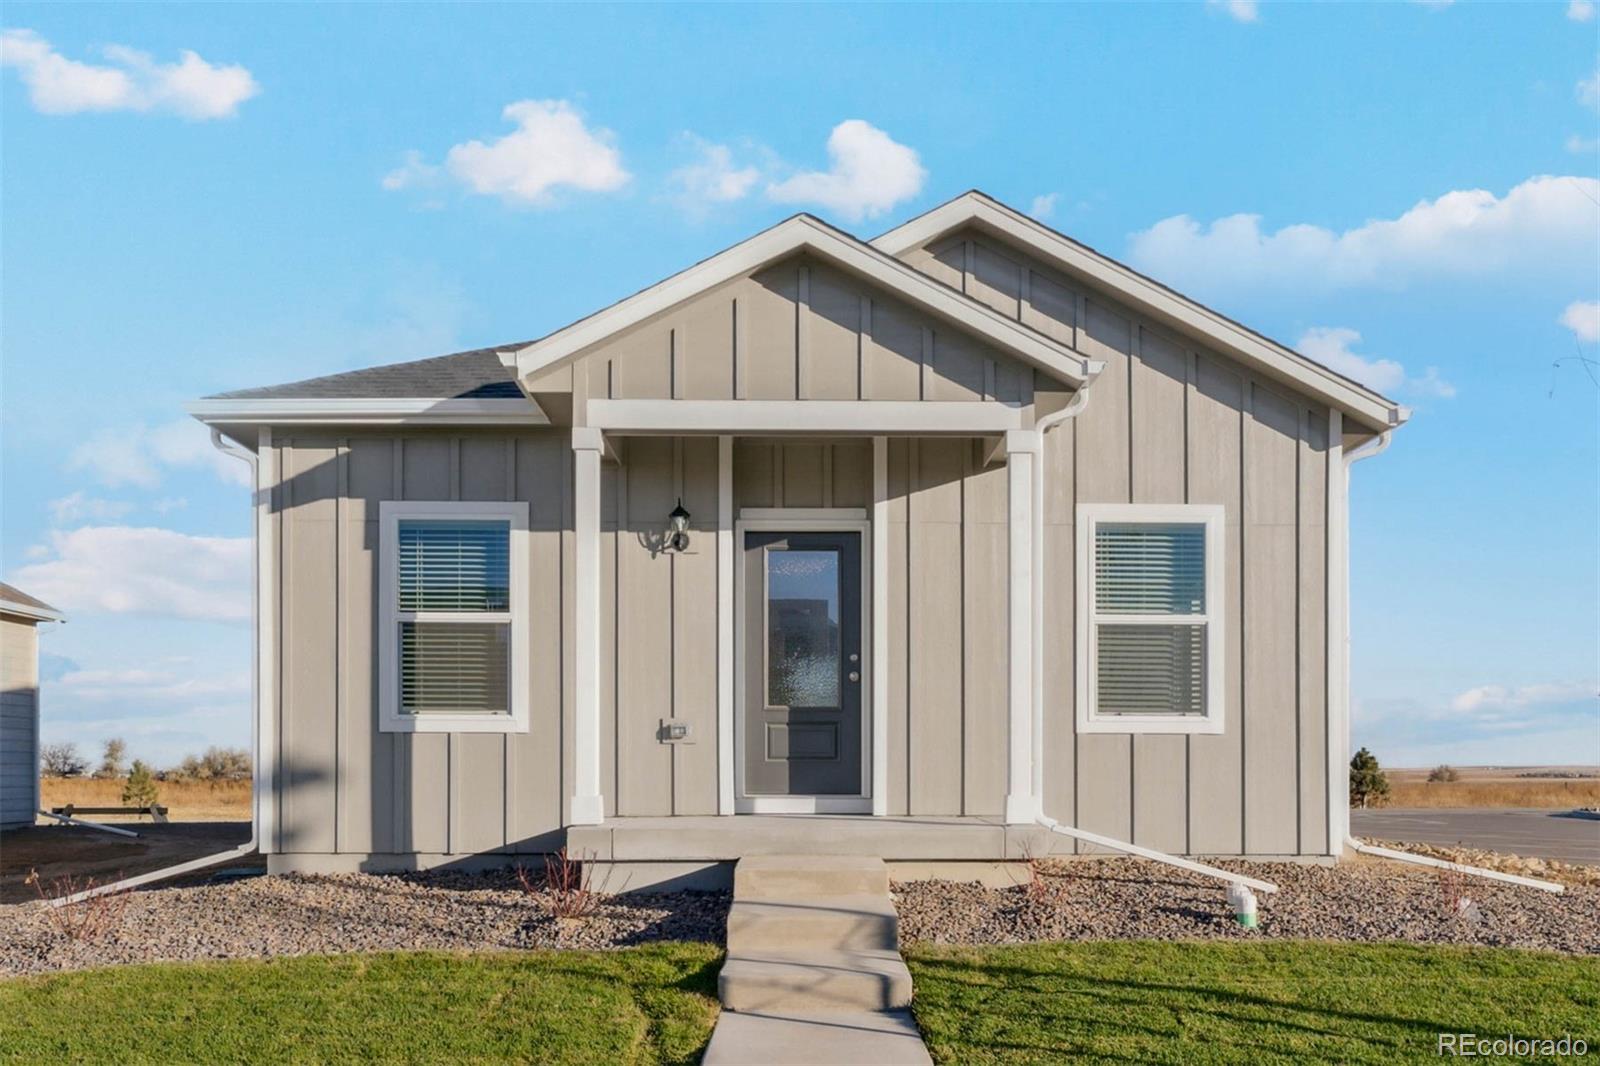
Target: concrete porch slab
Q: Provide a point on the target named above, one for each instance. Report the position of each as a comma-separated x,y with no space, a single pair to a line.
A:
712,838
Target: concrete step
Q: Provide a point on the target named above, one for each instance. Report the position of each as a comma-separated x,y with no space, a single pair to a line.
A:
789,876
818,980
870,1038
853,923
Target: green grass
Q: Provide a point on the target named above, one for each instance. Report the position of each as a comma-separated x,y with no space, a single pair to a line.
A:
1227,1002
644,1005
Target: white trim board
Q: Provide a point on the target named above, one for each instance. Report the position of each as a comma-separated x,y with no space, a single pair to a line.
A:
803,233
799,417
508,411
1211,515
1161,303
874,784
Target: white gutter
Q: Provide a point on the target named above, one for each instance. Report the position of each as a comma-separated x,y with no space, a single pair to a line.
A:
1475,871
227,447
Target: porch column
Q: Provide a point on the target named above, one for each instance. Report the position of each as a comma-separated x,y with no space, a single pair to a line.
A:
1022,458
588,807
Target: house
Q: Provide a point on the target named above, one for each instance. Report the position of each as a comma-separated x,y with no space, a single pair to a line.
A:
883,547
20,615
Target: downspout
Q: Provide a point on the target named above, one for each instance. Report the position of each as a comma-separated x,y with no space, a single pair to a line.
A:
1044,425
227,447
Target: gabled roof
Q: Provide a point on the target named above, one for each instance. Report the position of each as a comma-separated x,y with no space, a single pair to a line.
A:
472,375
16,602
1179,312
804,233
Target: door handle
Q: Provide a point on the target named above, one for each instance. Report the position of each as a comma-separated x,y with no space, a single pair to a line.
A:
854,676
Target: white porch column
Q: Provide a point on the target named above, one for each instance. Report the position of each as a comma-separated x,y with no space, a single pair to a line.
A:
588,806
1022,459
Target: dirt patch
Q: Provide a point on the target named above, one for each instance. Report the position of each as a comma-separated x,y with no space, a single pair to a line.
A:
1127,899
58,850
292,915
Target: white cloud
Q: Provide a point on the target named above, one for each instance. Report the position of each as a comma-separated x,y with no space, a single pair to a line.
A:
1578,144
551,149
132,570
80,507
412,173
1581,11
713,177
1588,90
134,81
1331,346
138,684
1238,10
1498,699
136,455
1543,224
1044,206
1582,317
869,173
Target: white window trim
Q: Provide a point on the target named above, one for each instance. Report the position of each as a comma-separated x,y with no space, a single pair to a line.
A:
1211,515
390,514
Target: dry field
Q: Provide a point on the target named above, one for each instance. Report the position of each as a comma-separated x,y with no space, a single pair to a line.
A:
1498,786
189,801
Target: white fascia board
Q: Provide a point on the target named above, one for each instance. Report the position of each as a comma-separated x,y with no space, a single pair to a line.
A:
386,412
790,417
803,233
36,613
1371,408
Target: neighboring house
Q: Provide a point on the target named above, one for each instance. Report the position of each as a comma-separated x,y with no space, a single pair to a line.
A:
20,615
979,524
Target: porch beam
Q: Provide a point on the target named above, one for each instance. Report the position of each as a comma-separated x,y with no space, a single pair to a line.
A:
1022,449
789,417
588,806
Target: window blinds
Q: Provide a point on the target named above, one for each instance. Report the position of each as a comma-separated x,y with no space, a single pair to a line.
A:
1150,618
454,592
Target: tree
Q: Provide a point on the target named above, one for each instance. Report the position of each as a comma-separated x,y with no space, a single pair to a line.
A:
61,760
1443,773
1369,786
140,790
217,764
112,762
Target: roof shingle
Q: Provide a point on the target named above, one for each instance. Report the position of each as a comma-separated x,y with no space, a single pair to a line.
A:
472,375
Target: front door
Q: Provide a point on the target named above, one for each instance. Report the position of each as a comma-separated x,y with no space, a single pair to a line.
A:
802,664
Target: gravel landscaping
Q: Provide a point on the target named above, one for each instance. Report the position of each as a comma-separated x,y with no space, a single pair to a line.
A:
1127,899
291,915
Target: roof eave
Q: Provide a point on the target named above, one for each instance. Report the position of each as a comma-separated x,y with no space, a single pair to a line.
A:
804,233
1369,408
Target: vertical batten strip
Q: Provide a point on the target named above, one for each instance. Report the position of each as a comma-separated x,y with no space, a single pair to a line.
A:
802,335
341,639
725,608
925,379
1337,593
863,346
878,616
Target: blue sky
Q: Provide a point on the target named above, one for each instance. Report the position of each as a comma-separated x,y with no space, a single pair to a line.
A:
199,198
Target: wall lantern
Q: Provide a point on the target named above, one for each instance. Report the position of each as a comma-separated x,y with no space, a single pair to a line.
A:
678,525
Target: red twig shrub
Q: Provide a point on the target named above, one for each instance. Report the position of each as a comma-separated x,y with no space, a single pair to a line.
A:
567,886
88,919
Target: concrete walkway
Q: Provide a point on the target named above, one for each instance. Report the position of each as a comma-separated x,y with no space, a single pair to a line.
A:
814,973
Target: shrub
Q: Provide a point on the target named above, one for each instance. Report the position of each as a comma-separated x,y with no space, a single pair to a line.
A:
1443,773
140,789
217,764
1369,786
62,760
84,919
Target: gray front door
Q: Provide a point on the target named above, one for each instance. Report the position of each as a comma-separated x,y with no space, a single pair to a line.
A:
802,668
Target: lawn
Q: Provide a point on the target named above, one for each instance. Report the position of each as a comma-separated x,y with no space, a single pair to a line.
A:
1149,1001
645,1005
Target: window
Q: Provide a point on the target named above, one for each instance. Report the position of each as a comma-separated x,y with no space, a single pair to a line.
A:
1150,618
455,604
